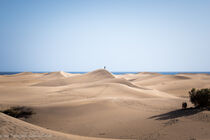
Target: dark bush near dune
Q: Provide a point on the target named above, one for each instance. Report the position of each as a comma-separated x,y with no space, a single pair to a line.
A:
200,97
19,112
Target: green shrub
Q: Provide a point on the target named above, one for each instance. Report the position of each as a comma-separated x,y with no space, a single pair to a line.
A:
19,112
200,97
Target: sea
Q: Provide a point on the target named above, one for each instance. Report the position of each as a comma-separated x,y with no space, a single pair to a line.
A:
116,73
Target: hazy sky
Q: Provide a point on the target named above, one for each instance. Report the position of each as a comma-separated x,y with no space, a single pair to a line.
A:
124,35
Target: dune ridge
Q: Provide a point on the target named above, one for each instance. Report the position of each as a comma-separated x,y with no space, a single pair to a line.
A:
88,77
58,74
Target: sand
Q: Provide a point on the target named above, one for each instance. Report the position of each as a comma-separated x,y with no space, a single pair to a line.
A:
100,105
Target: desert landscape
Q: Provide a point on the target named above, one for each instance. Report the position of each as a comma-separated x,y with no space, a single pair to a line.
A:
104,70
101,105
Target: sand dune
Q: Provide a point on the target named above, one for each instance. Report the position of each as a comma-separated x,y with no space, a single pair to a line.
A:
58,74
88,77
12,128
178,85
21,74
159,79
100,104
25,78
139,76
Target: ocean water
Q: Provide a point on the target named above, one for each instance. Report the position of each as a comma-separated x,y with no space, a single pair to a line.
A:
116,73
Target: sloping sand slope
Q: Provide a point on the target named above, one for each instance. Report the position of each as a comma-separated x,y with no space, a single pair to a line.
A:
11,128
98,104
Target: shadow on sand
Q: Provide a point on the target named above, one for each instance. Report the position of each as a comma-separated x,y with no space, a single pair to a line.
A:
176,114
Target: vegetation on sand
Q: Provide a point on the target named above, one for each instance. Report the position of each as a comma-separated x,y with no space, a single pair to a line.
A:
200,97
19,112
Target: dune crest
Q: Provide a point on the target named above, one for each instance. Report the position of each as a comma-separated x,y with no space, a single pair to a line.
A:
100,73
93,76
58,74
22,74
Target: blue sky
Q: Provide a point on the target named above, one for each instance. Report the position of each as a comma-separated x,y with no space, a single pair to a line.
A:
124,35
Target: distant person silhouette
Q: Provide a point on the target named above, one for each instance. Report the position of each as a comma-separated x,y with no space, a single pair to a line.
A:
104,67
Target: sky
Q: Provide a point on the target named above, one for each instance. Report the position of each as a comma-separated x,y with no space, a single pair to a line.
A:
123,35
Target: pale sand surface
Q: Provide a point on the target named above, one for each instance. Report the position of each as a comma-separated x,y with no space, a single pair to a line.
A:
98,104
